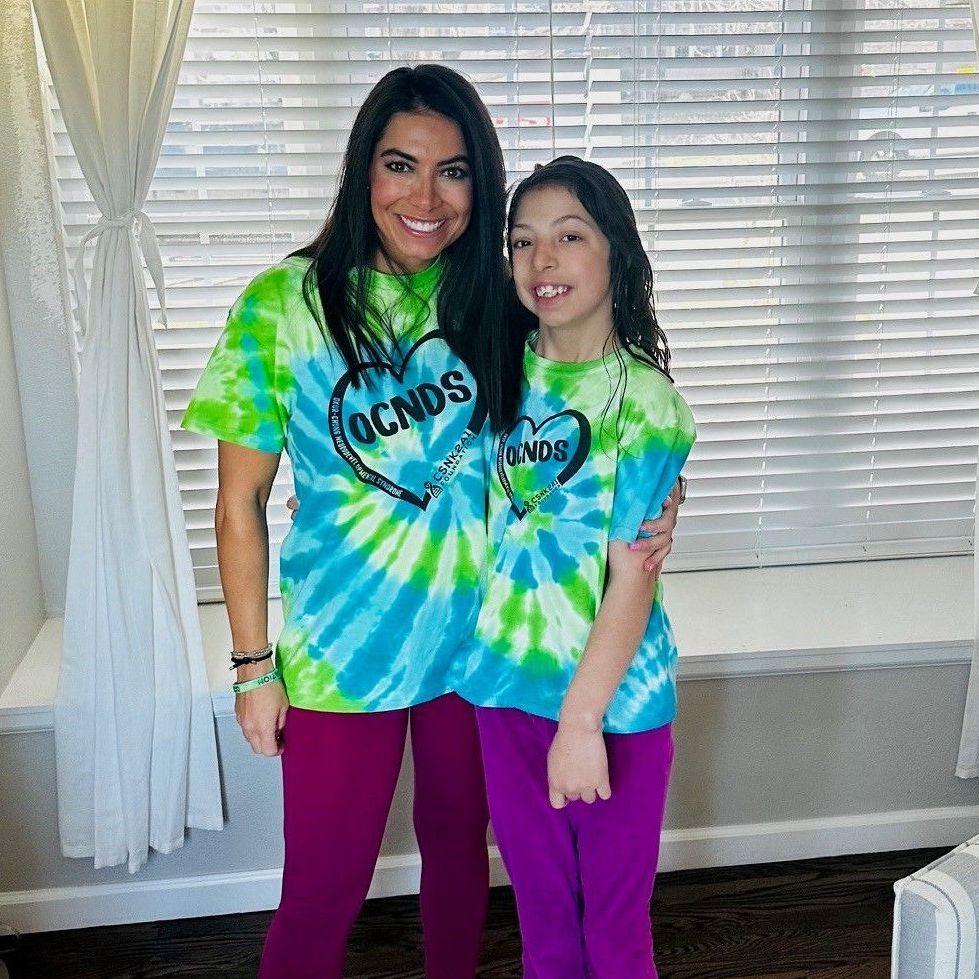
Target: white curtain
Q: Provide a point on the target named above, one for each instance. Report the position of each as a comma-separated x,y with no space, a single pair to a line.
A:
136,751
968,763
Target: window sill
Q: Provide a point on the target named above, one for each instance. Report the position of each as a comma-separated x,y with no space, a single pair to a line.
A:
734,623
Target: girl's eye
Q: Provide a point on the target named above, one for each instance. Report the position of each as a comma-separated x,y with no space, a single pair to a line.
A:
571,237
519,243
397,166
456,173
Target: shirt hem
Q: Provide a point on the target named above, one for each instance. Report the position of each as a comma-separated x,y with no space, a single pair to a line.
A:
371,709
668,717
238,438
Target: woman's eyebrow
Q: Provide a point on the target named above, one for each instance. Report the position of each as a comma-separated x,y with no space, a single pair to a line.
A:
460,158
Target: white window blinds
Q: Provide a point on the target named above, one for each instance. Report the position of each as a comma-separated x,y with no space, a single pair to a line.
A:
806,180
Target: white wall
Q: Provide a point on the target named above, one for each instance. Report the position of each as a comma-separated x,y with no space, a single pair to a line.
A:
33,267
21,606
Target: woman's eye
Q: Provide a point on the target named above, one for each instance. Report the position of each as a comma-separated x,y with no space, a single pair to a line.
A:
571,237
519,243
397,166
456,173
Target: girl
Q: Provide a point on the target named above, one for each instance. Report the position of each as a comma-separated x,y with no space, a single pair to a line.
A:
573,666
354,355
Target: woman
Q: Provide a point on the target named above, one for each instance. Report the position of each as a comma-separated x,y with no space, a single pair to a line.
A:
374,357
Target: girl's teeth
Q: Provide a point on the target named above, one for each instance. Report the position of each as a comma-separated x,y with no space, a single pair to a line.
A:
549,292
423,226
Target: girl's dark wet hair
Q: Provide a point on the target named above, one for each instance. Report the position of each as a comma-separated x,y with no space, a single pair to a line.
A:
602,196
471,293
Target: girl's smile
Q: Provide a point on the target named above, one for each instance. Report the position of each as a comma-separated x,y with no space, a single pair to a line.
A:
549,295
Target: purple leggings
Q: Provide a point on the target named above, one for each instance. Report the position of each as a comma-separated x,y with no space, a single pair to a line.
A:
583,875
339,773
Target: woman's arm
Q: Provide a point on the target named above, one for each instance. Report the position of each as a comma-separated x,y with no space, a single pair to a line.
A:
658,545
244,483
577,766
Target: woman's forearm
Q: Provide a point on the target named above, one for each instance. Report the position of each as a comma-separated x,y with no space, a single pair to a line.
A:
243,561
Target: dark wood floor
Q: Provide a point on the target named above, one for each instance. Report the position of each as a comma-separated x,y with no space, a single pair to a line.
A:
810,919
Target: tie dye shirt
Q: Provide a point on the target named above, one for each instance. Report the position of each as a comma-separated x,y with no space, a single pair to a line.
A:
380,572
595,451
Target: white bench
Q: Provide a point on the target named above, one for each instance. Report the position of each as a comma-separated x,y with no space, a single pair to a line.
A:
935,918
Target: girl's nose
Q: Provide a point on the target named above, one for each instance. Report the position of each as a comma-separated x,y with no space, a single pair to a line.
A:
543,258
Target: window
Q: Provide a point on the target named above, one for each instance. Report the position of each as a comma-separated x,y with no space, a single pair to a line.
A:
805,178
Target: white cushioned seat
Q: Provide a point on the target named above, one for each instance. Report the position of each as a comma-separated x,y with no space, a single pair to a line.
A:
935,915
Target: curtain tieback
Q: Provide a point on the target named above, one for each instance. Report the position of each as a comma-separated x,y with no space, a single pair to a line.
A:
141,228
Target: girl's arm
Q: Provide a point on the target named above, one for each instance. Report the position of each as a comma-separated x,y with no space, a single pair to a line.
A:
244,484
577,766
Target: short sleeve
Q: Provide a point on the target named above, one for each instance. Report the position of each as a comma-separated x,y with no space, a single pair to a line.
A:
649,464
237,398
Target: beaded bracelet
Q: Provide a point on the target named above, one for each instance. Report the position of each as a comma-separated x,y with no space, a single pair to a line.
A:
243,659
259,681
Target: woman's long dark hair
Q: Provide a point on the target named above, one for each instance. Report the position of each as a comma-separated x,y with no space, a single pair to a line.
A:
471,290
602,196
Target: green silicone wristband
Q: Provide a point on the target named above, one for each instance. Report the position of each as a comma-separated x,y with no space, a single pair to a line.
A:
259,681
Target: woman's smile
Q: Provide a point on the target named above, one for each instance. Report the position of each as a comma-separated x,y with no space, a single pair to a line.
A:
416,226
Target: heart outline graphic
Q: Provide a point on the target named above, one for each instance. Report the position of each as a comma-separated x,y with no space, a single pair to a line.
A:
367,474
570,467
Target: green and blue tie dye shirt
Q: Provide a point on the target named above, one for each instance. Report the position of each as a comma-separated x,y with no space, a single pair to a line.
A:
595,451
380,572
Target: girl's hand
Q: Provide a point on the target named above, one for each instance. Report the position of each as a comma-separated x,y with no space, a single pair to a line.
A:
658,547
577,767
293,504
261,713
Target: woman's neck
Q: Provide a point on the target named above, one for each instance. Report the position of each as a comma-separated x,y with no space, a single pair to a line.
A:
573,346
383,265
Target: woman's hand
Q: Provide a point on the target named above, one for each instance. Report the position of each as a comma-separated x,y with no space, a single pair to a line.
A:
577,767
261,713
658,547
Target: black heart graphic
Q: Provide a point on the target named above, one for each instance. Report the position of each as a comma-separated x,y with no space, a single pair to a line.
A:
570,467
349,454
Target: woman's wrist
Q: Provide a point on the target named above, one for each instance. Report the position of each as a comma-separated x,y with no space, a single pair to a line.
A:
252,656
256,683
249,671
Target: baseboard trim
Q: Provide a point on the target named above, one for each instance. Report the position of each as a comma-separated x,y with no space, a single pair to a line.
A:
801,839
63,908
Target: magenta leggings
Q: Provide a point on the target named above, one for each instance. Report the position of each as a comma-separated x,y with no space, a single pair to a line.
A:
339,773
